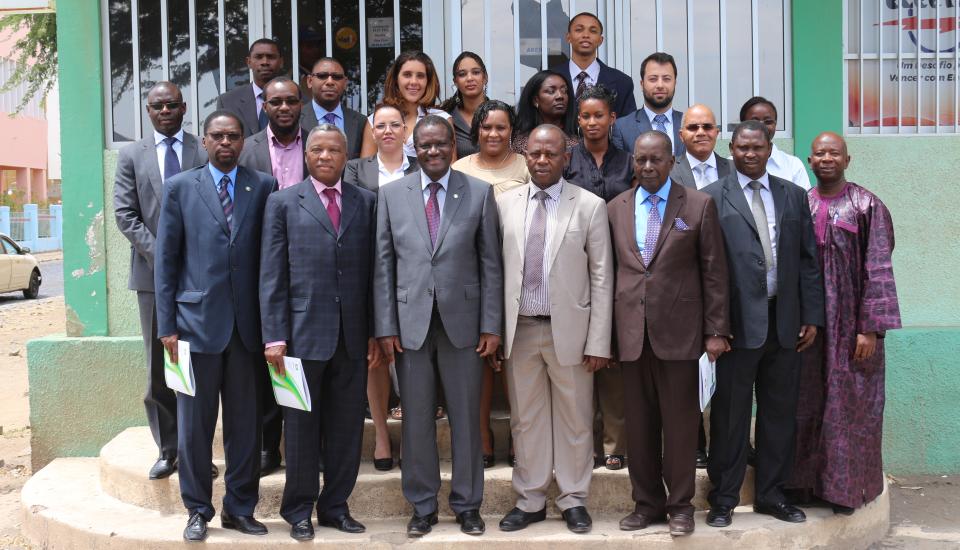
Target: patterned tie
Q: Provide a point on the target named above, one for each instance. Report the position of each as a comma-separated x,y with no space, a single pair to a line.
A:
536,240
700,174
332,209
171,164
263,113
225,201
760,218
330,118
660,123
653,229
581,83
433,212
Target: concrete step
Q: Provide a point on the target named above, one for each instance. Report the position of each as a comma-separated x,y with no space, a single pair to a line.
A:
64,508
124,463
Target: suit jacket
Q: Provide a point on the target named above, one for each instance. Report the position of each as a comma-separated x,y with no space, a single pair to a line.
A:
256,152
612,79
799,282
682,172
207,276
353,125
365,172
137,190
580,272
463,274
683,294
628,128
241,102
316,281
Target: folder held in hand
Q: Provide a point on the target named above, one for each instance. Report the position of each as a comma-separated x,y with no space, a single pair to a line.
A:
179,375
708,380
291,389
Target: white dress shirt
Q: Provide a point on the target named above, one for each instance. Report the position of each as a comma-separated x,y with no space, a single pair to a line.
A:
710,173
788,167
767,197
425,182
668,125
386,176
593,74
538,301
162,150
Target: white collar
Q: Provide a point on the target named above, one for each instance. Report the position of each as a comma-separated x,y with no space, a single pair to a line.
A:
694,161
403,165
553,192
257,90
777,157
745,180
651,114
158,137
426,181
592,70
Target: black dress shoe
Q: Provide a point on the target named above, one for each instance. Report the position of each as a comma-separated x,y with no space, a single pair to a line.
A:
471,523
517,519
781,511
578,520
269,462
720,516
302,530
419,526
489,461
701,459
842,510
245,524
196,529
163,467
214,471
343,523
383,464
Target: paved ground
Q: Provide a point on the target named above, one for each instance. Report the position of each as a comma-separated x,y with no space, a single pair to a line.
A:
51,269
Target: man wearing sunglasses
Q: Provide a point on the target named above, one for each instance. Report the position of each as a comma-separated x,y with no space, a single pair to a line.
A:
278,148
699,166
327,83
265,61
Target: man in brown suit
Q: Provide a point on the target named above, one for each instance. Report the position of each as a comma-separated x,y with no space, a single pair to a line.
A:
672,302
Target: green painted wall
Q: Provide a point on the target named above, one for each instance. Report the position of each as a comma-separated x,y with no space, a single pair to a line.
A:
122,313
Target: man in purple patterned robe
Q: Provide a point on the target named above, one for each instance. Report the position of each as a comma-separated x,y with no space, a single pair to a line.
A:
840,412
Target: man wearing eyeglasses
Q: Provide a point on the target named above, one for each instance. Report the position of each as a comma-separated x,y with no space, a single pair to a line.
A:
207,281
327,83
265,61
142,168
278,148
699,166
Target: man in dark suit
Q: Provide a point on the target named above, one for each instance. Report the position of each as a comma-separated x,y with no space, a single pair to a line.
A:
585,34
265,61
207,280
316,274
278,149
142,168
438,302
673,291
658,80
327,84
699,166
776,306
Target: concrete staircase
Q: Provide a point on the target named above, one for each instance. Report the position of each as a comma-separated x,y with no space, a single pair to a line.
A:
108,503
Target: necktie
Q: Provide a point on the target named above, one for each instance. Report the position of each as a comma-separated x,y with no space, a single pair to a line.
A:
263,113
171,164
225,201
581,83
433,212
536,240
700,174
653,229
760,218
660,123
330,118
332,209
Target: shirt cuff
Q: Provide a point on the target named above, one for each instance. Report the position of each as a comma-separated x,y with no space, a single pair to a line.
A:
274,344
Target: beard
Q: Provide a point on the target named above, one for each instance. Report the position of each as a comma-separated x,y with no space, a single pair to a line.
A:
652,101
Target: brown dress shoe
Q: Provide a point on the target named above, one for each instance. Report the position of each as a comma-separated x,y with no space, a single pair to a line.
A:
637,521
681,525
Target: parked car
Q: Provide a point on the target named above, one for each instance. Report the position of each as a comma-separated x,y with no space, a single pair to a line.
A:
18,269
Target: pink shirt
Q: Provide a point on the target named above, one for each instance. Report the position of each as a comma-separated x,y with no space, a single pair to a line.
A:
286,160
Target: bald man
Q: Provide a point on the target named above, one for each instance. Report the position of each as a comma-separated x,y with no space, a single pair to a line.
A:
699,166
558,296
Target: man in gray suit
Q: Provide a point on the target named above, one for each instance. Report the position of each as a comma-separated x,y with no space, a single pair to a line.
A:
278,148
327,84
658,80
265,61
699,166
438,305
142,168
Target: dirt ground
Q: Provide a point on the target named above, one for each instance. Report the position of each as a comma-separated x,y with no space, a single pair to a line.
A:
925,510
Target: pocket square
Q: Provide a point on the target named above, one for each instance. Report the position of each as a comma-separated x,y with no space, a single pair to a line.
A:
680,225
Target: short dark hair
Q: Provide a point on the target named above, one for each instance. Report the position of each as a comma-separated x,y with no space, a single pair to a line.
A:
220,113
757,100
587,14
267,41
328,59
282,79
485,109
751,126
658,135
600,92
661,58
432,120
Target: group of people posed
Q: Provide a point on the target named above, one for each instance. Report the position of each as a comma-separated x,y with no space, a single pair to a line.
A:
585,250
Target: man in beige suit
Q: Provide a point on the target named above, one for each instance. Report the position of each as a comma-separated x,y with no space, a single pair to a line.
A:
558,298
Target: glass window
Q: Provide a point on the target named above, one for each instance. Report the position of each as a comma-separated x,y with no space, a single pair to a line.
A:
178,38
122,97
235,29
208,57
151,54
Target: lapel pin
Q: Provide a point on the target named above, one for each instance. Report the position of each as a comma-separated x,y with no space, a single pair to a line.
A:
247,188
456,196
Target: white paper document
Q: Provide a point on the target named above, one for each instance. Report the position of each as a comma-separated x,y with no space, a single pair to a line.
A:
708,380
291,389
179,375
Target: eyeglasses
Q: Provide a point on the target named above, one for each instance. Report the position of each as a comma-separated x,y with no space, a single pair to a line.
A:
705,127
170,105
337,77
229,137
440,145
279,101
382,126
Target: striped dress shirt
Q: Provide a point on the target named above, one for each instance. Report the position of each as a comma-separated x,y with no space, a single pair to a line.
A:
537,302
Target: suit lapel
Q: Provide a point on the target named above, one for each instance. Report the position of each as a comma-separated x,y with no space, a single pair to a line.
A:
248,106
723,166
456,194
678,146
261,151
642,121
370,171
564,212
629,226
418,210
349,204
518,217
675,202
208,194
779,200
189,148
733,193
685,173
242,191
150,155
310,201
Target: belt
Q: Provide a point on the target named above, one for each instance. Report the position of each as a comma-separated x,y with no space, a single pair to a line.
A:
537,317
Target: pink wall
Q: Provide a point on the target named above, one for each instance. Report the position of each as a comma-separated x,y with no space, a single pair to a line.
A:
23,140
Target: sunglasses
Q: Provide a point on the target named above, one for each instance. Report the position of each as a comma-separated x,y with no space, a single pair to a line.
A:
170,105
705,127
228,137
337,77
278,101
